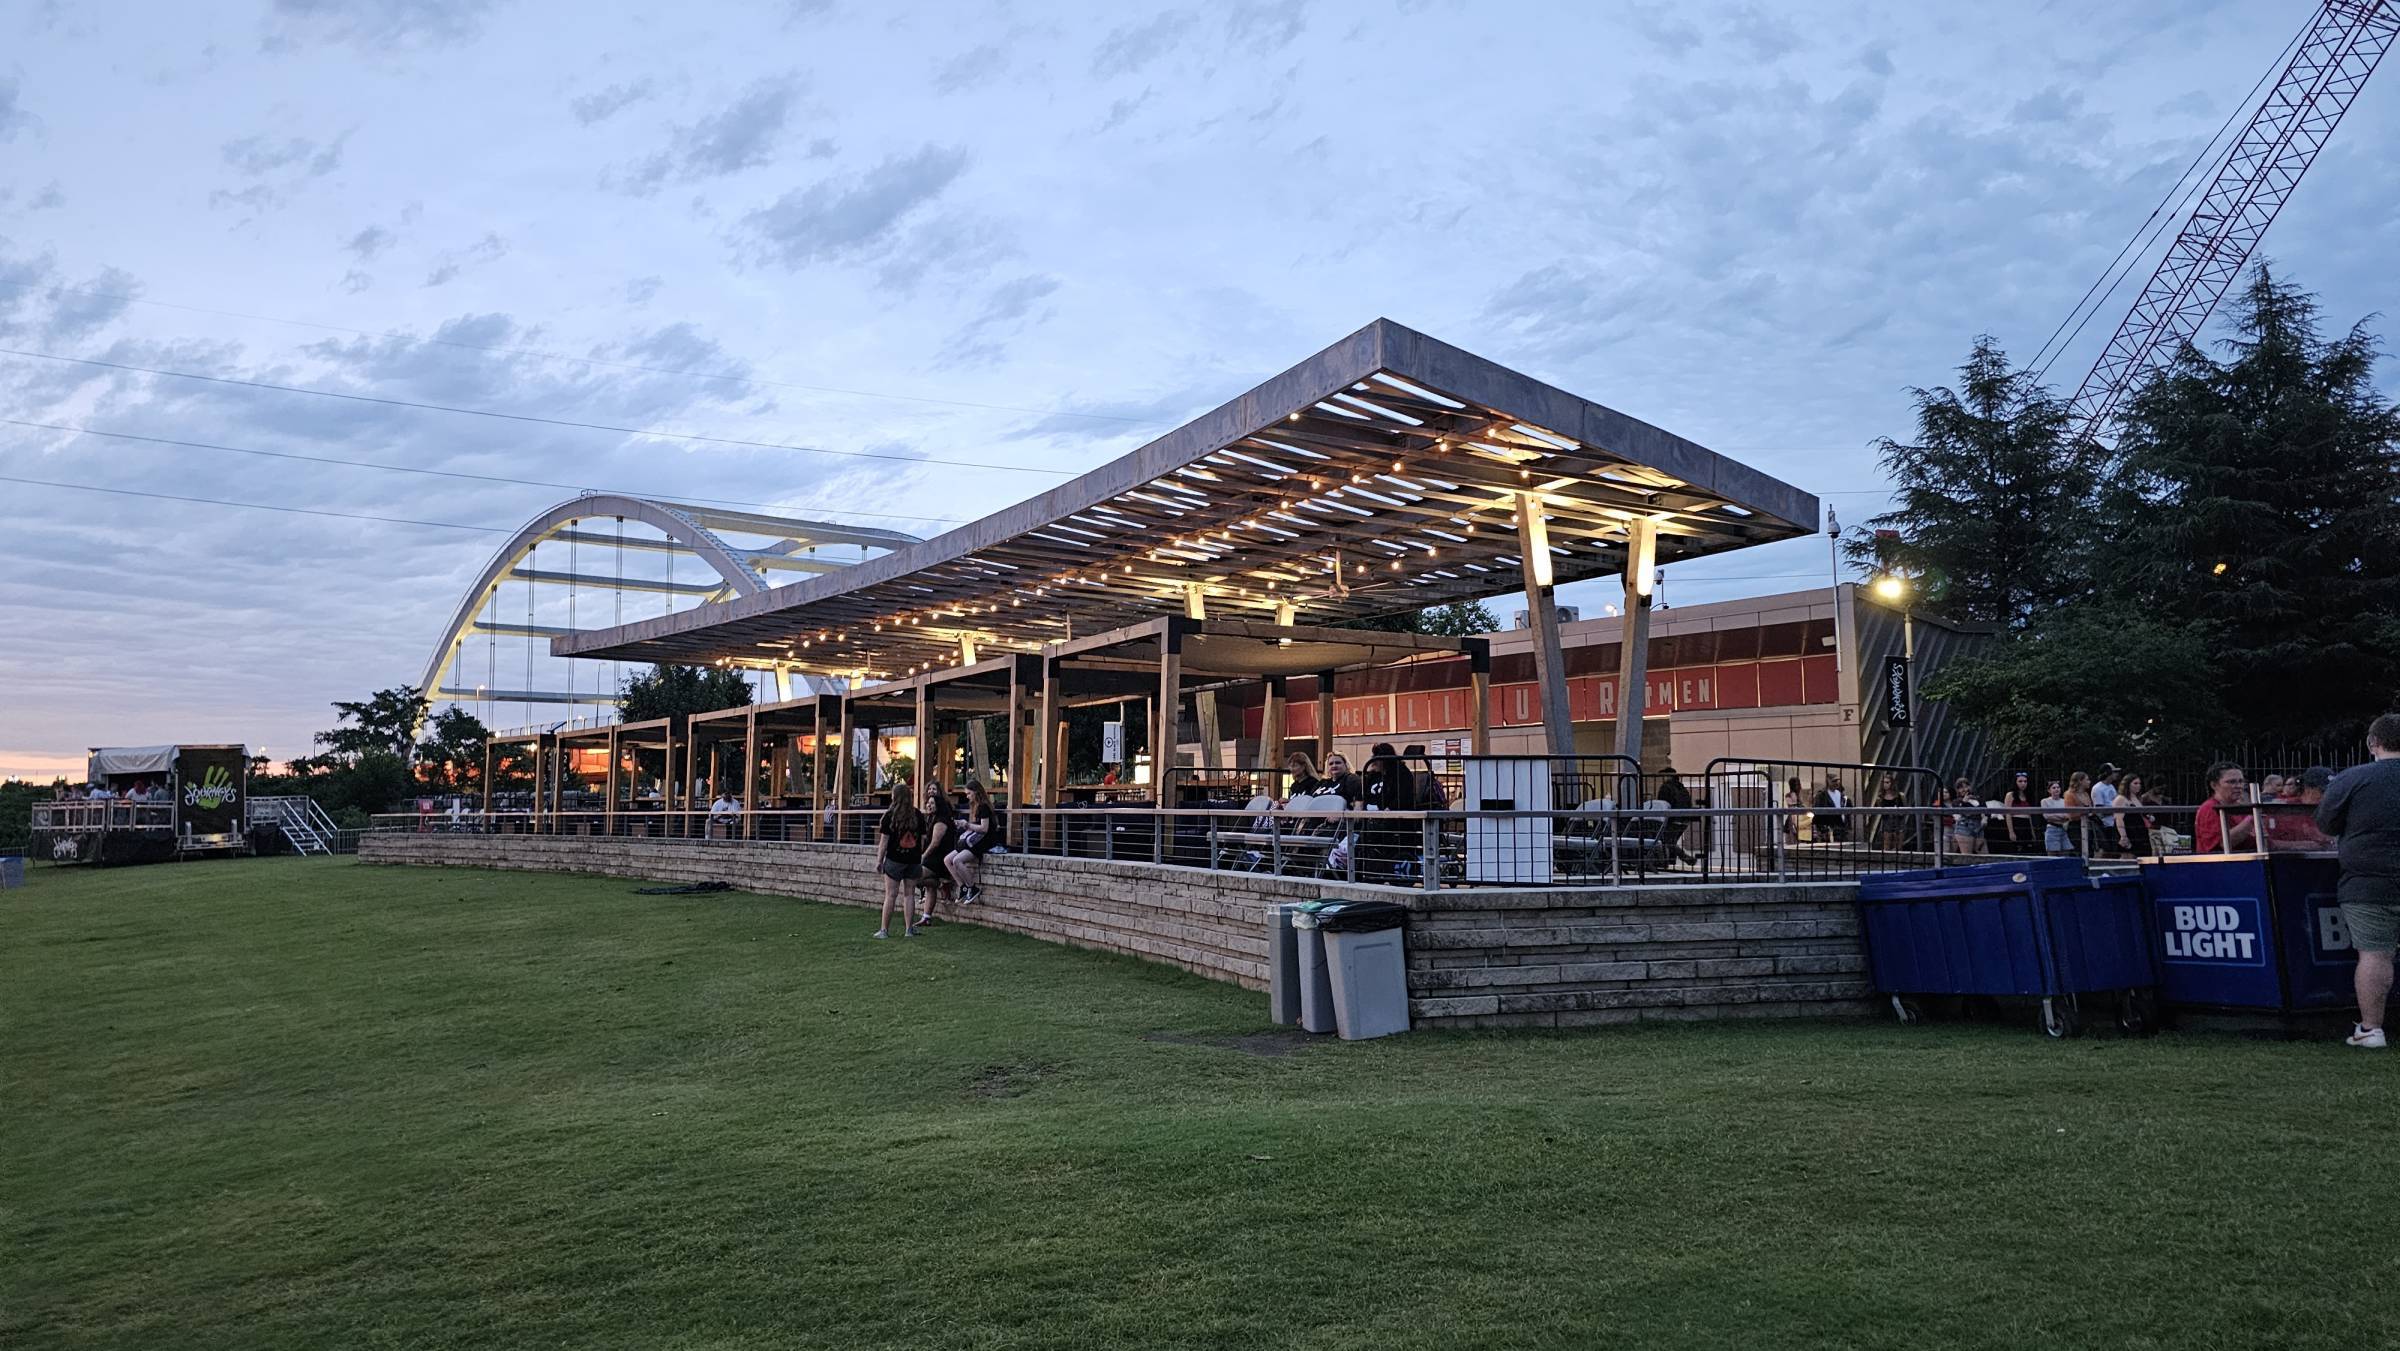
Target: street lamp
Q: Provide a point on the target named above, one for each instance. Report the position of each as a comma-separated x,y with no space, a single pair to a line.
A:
1894,589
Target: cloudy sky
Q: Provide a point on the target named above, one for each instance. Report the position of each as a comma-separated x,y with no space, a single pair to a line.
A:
1024,235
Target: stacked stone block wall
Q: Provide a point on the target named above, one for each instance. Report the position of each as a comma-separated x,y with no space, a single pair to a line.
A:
1535,957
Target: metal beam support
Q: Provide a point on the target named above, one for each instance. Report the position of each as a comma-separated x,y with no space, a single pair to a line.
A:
1549,661
1633,662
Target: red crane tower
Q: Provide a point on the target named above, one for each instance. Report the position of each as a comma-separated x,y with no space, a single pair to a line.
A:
2330,62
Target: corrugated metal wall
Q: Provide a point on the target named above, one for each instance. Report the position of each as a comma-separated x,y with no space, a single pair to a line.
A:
1944,743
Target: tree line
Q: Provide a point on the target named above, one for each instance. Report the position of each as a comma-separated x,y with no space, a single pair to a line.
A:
2227,571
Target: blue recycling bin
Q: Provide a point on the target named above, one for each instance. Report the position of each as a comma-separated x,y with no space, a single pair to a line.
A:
2033,928
2257,932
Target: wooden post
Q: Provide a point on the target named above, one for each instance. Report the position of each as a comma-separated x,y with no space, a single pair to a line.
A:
816,770
1479,695
608,810
946,768
666,783
1050,732
1324,719
841,765
924,743
1549,663
1270,730
1162,720
487,777
750,773
1633,652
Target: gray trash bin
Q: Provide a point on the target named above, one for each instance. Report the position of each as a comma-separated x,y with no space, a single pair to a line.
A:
1366,962
1283,963
1316,985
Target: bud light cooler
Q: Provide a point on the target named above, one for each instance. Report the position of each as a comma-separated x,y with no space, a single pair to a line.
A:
2250,931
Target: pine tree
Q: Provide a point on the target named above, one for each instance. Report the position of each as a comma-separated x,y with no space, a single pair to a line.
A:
2258,499
1995,512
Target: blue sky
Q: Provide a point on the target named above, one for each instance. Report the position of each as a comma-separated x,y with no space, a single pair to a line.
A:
1028,233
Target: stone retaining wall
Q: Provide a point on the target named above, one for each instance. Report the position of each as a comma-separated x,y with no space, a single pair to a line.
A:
1549,957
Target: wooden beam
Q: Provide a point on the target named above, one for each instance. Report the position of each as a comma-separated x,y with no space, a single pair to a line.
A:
750,774
1164,714
1270,728
1479,697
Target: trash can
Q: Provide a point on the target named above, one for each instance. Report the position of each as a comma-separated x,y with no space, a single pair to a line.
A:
1366,962
12,871
2038,928
1283,963
1308,960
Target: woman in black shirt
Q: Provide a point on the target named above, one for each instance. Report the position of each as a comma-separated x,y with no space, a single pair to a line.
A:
899,856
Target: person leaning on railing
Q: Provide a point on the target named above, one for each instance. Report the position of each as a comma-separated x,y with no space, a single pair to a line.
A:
2224,825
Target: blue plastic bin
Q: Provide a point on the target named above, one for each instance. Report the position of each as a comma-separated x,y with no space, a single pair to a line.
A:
12,871
2036,928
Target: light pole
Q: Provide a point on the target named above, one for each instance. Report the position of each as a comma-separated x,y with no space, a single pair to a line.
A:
1894,589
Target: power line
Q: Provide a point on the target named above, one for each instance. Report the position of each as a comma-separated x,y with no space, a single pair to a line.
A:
448,473
523,417
562,356
253,506
2136,239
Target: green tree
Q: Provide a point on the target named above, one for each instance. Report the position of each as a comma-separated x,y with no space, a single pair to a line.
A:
385,721
1458,619
450,758
1995,514
669,690
2258,500
2088,683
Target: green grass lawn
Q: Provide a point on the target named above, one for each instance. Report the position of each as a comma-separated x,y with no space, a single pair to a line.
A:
278,1103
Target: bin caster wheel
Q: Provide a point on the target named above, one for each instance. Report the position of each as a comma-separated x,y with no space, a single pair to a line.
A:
2061,1018
2137,1013
1907,1011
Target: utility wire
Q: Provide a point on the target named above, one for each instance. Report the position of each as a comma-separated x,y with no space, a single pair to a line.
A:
562,356
2206,151
451,473
253,506
523,417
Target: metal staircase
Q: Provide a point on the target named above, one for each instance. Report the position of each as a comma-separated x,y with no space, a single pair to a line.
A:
301,820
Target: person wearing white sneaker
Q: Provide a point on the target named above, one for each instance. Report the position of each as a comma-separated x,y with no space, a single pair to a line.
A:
2362,811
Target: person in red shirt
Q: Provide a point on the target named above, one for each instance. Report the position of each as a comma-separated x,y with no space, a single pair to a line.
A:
2223,826
2294,825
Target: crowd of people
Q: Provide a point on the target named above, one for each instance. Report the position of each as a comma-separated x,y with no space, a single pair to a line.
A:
2110,813
140,793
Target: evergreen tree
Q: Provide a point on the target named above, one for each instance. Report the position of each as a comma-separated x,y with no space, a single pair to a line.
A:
1995,512
2258,499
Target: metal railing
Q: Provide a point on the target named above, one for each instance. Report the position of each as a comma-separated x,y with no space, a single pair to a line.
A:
1585,846
115,814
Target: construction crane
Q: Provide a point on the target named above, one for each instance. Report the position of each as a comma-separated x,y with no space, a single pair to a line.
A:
2329,63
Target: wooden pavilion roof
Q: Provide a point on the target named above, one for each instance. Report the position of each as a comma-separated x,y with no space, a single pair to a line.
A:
1377,477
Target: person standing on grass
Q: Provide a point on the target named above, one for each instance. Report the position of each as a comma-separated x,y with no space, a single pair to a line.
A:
2362,811
978,832
941,836
899,856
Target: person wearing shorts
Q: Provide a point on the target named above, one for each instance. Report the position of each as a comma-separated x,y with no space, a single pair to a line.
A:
900,838
2362,811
